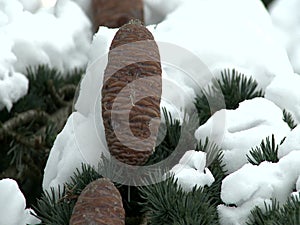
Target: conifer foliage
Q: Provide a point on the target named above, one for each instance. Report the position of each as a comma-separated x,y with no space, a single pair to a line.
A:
232,88
51,96
28,131
268,151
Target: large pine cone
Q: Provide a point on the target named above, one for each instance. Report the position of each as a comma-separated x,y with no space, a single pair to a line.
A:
100,203
131,95
116,13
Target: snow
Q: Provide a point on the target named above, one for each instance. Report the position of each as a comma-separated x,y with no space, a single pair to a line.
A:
12,205
248,42
13,86
59,37
155,11
286,96
291,143
239,215
285,16
191,171
248,45
77,143
206,30
252,184
31,5
244,129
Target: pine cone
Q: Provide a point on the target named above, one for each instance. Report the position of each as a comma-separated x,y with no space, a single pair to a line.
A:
99,203
116,13
132,87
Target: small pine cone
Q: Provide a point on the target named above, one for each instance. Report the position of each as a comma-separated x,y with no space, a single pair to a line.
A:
116,13
131,94
100,203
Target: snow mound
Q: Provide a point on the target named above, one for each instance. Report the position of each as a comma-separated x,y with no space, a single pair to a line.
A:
291,143
31,5
211,30
155,11
239,215
59,38
285,92
191,171
13,85
285,16
252,184
77,143
12,205
244,129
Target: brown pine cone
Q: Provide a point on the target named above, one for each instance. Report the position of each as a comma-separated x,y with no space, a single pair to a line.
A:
131,94
116,13
100,203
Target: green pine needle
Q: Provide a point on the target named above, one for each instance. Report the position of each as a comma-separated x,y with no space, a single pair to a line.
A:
54,209
288,118
167,203
236,88
216,166
288,214
168,145
268,151
80,179
233,87
270,215
204,107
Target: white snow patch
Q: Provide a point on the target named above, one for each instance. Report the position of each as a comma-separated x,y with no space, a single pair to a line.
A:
77,143
239,215
285,92
191,171
252,184
285,16
13,205
220,40
31,36
244,128
291,143
31,5
155,11
12,85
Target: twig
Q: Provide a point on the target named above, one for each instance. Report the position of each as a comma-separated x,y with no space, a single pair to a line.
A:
68,91
22,118
34,142
58,100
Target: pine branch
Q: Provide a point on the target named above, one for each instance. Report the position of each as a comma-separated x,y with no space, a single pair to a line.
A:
288,214
167,203
208,102
168,145
270,215
216,166
57,99
56,208
53,208
233,87
22,119
268,151
80,179
236,88
288,118
28,131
